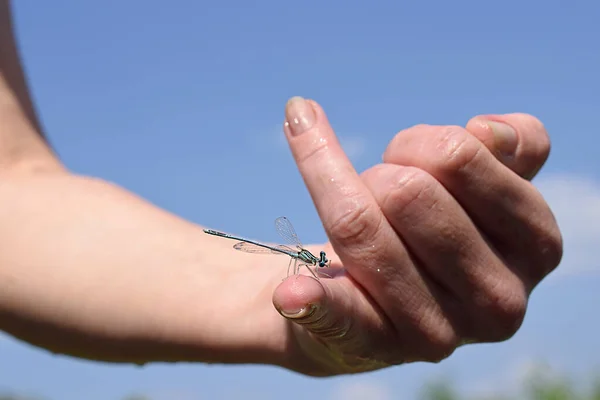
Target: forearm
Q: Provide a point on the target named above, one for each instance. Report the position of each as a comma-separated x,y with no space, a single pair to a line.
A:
89,270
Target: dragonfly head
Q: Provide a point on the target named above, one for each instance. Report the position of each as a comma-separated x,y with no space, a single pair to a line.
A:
323,261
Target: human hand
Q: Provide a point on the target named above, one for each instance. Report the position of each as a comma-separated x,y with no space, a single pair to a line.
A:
438,246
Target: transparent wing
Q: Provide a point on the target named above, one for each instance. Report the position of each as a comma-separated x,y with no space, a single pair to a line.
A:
285,248
252,248
284,227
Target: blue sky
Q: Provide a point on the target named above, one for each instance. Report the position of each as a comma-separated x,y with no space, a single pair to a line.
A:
152,95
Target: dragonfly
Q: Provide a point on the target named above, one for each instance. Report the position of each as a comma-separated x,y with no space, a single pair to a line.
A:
293,247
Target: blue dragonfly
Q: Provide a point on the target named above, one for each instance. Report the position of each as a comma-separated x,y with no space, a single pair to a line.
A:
293,247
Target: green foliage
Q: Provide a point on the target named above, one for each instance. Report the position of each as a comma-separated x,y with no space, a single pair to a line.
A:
541,384
441,390
136,397
15,397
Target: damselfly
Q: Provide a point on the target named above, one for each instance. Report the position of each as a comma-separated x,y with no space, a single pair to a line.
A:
299,255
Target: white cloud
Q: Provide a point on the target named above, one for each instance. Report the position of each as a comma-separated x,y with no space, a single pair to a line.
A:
355,388
575,201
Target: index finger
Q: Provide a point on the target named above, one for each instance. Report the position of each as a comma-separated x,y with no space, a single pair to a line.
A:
349,212
368,246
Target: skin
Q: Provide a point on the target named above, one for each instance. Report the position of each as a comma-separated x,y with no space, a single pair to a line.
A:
438,246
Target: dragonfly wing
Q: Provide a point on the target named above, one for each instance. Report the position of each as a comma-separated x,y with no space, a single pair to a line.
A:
284,227
283,247
252,248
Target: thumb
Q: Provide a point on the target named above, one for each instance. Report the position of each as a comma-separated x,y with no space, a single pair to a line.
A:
337,314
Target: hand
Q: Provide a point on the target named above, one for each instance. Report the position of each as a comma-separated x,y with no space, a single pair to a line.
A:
439,246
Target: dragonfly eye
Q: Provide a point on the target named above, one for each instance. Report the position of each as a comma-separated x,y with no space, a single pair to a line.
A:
323,260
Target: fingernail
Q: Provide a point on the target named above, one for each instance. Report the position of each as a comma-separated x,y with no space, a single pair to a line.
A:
299,116
505,137
301,313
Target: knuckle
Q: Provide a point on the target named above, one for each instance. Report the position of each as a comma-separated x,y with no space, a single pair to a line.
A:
399,142
408,185
374,174
440,347
540,243
504,305
550,247
358,223
439,336
455,150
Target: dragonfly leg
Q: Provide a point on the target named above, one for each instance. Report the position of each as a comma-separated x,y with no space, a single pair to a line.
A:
323,273
292,261
297,270
311,271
